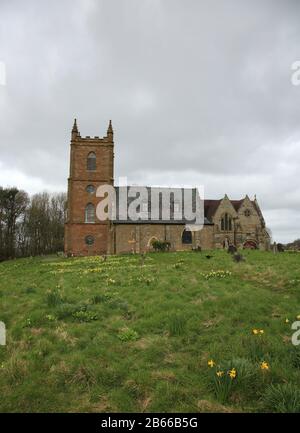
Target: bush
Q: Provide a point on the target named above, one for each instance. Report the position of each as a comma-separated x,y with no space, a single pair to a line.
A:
280,248
160,245
283,398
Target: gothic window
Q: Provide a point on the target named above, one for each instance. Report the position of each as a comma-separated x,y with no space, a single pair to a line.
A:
247,213
90,213
90,189
226,223
89,240
91,161
186,237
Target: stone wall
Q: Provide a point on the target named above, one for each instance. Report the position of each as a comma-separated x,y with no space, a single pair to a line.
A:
247,224
137,237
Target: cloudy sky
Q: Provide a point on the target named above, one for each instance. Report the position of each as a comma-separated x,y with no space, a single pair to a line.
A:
199,92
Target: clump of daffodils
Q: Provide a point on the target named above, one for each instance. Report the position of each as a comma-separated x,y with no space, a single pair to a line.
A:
222,381
258,331
220,373
111,281
217,274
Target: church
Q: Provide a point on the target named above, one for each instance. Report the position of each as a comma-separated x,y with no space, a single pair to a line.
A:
225,222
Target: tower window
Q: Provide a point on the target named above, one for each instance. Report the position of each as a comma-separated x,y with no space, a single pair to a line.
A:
90,213
91,161
89,240
90,189
226,223
186,237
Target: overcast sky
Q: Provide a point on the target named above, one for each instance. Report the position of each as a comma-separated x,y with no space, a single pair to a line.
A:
199,92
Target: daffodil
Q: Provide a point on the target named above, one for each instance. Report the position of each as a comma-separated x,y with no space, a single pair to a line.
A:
298,317
287,321
264,365
255,331
211,363
232,373
220,373
261,331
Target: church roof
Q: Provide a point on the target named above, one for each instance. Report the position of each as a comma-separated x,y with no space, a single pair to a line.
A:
211,206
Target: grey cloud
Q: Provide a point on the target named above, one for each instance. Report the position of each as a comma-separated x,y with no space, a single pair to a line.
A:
199,93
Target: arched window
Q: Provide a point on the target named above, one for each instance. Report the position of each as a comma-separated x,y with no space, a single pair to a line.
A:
226,223
91,161
90,213
186,237
90,189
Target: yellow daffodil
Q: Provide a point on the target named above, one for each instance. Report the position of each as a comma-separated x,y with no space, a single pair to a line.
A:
211,363
264,365
261,331
232,373
220,373
255,331
298,317
287,321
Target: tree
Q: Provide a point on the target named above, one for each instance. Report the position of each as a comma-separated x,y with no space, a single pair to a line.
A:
31,226
13,205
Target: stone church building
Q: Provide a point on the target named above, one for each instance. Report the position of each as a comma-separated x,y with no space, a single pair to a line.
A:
226,222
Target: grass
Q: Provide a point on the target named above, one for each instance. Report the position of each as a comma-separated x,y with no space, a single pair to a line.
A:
84,335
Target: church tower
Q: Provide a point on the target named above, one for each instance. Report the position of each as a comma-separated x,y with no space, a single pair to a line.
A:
91,165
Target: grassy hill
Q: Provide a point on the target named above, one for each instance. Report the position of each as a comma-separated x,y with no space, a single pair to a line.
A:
120,335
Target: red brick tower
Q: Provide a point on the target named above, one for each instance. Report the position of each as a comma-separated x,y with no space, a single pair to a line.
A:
91,165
